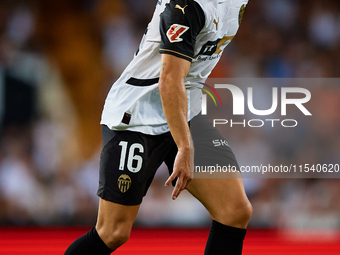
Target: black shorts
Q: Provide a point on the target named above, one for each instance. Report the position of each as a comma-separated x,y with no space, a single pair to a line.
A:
129,160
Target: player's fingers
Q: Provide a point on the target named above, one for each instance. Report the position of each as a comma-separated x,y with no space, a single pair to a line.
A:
178,188
170,179
181,184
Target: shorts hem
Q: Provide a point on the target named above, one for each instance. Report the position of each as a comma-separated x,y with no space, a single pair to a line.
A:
104,195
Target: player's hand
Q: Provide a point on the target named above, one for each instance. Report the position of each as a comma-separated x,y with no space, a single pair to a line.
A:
182,170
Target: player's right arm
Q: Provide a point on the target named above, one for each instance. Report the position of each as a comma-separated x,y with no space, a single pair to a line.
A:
180,23
175,106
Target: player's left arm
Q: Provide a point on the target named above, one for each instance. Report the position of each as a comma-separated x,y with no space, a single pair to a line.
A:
180,23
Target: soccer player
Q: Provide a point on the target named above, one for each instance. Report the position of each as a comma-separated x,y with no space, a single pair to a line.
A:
146,121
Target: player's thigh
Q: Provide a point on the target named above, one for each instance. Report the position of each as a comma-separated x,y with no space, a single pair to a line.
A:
224,198
221,191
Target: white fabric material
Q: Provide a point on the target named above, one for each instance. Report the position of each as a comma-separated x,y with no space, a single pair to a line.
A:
144,103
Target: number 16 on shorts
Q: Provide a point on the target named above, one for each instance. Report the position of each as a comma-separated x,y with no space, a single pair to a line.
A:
134,161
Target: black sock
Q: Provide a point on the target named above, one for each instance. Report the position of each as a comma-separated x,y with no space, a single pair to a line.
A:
88,244
224,240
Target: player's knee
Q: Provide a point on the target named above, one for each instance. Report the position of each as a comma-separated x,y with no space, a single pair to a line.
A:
242,212
114,238
119,237
237,215
247,211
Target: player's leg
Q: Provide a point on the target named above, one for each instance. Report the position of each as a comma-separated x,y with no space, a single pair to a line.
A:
230,209
128,163
112,230
224,197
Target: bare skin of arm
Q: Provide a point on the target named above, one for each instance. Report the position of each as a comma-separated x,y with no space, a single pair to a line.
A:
175,106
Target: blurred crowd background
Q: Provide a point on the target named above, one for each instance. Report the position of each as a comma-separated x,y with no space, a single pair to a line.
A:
58,60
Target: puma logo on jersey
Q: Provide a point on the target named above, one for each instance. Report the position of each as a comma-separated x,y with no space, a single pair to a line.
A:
179,7
175,31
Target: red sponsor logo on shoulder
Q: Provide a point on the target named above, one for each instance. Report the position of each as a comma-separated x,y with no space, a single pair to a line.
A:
175,31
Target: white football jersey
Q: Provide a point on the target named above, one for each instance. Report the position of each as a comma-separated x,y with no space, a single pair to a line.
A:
195,30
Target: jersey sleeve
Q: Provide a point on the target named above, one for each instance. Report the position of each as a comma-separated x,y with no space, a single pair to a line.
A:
180,23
